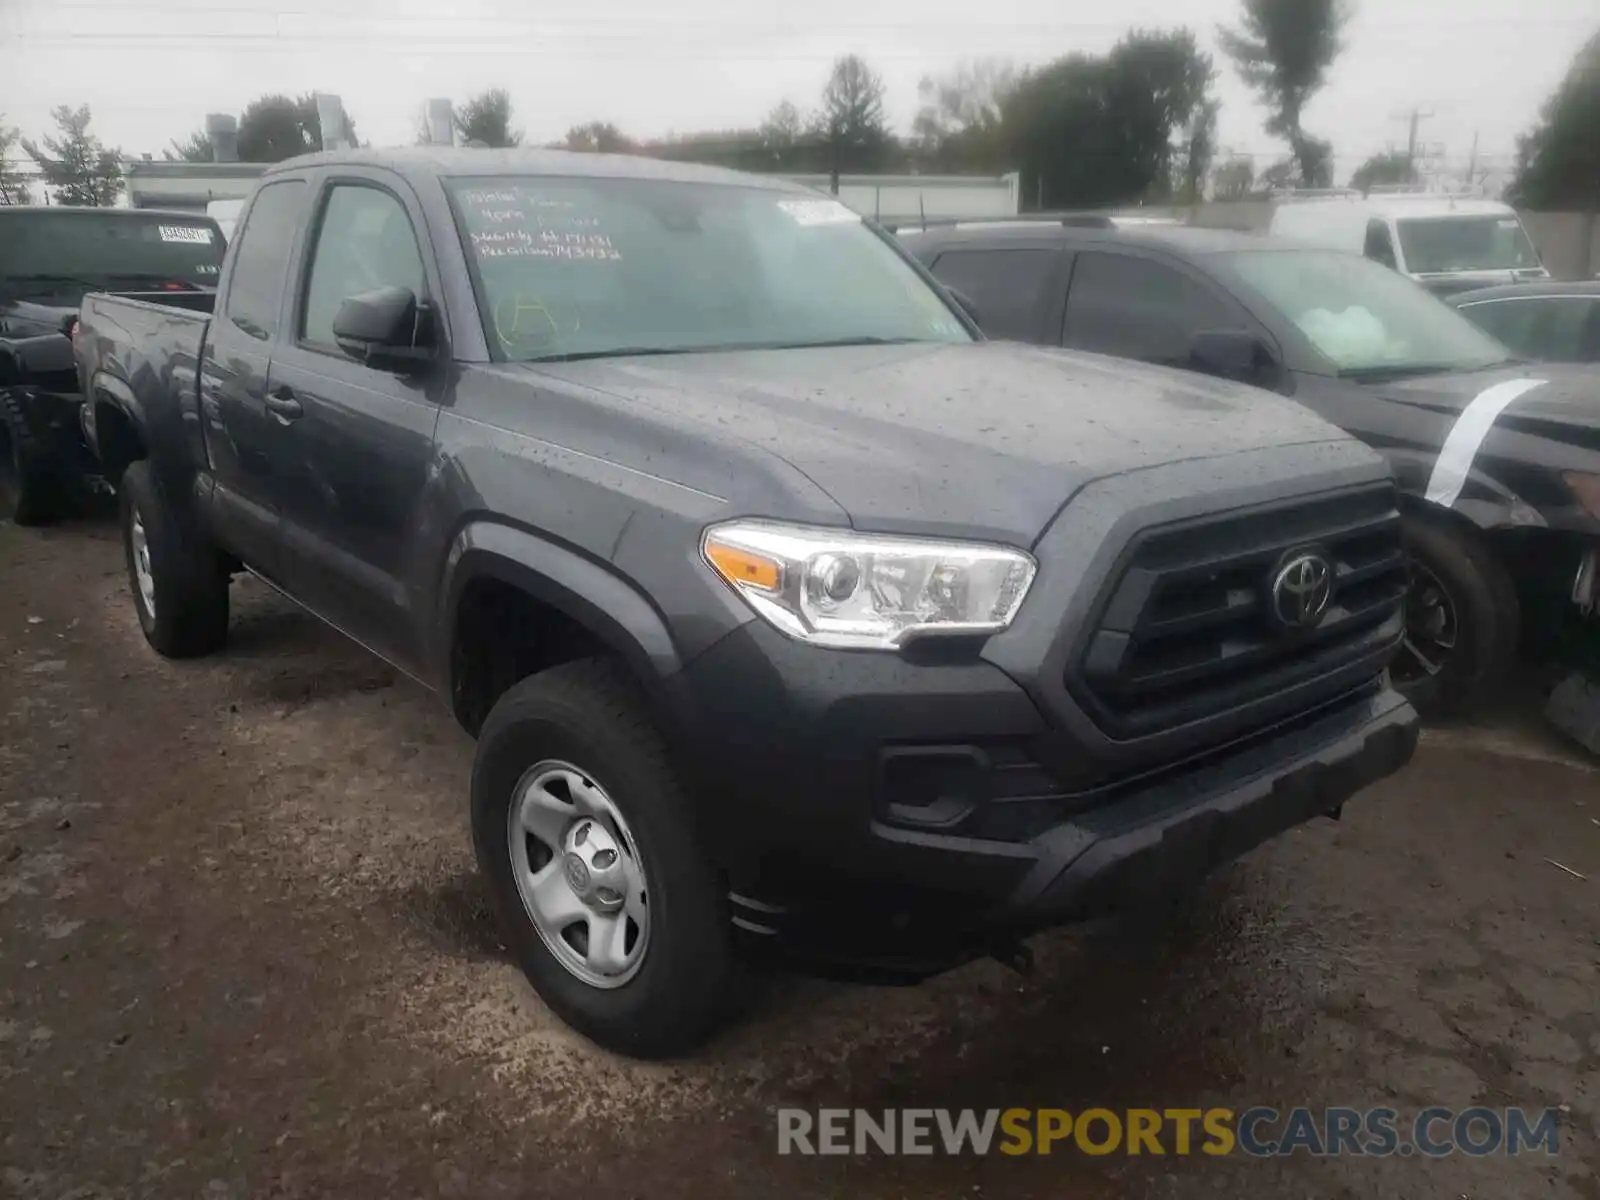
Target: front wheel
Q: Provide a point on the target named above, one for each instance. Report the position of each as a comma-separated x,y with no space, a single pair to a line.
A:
1462,619
611,905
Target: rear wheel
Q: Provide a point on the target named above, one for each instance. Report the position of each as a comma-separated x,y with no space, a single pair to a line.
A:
179,580
1462,619
29,493
615,912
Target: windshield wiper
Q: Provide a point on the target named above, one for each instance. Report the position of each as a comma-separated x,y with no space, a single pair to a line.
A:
714,348
621,352
1378,373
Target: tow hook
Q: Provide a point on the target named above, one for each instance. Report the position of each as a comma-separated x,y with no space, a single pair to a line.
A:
1015,955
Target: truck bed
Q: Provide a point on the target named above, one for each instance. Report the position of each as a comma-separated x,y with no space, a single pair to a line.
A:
146,352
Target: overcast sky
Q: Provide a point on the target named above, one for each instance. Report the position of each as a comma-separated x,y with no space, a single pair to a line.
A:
151,69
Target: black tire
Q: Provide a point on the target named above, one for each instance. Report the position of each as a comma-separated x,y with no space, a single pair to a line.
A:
190,577
1453,561
29,491
590,714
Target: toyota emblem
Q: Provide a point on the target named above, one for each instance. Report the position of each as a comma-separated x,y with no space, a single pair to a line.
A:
1302,590
577,874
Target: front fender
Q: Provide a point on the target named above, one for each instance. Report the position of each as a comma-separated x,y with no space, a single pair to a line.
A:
1485,501
588,592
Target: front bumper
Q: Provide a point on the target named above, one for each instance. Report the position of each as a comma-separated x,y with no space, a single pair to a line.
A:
885,812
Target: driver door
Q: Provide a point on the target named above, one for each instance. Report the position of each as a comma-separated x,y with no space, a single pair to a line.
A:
358,440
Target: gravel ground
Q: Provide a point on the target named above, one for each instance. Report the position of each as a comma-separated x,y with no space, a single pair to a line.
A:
243,954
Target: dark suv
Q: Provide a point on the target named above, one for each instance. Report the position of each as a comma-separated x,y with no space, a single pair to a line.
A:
1498,459
785,608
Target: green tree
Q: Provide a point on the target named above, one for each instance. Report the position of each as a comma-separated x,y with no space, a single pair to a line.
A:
781,133
1558,161
1199,149
960,125
597,137
1284,49
1091,131
1233,179
487,119
273,128
1392,166
196,147
13,188
80,168
850,125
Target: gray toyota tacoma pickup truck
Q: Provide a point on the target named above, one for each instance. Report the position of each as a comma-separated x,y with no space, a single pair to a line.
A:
786,610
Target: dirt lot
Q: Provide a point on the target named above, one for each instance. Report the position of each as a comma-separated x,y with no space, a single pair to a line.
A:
242,954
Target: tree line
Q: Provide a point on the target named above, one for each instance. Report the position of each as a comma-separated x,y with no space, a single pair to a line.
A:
1136,124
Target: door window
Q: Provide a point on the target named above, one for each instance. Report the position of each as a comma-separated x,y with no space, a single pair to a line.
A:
1007,286
365,242
1138,308
255,289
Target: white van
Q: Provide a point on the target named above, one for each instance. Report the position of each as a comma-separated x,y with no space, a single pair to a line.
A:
226,214
1447,243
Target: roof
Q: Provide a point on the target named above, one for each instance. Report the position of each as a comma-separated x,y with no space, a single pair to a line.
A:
1182,239
1514,291
1417,205
101,210
431,162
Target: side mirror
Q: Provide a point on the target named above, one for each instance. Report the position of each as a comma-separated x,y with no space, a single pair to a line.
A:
1233,354
385,328
965,304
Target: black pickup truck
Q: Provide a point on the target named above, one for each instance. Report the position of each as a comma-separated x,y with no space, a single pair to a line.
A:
49,259
1498,460
786,610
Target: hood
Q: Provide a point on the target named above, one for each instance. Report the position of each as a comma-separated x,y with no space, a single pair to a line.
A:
1568,399
989,438
1449,283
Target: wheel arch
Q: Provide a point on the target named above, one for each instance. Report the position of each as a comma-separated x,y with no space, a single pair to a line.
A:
584,598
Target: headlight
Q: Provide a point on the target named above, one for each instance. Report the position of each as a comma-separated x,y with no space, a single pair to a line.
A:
836,588
1587,489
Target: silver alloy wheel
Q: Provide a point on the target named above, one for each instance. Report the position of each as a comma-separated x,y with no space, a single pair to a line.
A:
142,574
579,873
1432,628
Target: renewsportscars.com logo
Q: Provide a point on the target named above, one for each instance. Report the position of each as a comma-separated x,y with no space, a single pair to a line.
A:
1256,1132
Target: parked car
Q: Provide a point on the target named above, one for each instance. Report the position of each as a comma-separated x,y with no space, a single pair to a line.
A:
784,608
1546,322
1499,460
1446,243
49,258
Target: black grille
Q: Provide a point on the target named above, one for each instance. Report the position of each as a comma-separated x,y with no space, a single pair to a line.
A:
1185,631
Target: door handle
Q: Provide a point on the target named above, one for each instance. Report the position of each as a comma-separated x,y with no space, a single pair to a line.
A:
284,406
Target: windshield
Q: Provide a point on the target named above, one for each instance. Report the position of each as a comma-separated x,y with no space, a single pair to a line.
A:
66,254
1438,244
602,266
1363,317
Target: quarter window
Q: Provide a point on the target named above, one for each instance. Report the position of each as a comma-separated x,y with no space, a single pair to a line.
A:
1007,286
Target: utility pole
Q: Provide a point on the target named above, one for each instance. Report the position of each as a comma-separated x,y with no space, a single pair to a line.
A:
1414,118
1472,163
